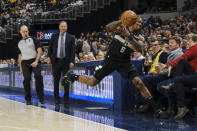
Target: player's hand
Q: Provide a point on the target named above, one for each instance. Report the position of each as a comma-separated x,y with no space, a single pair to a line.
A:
125,32
71,65
34,64
122,29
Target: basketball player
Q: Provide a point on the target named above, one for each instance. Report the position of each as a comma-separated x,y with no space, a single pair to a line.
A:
118,58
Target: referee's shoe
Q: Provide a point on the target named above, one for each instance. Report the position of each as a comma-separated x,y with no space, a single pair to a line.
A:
69,78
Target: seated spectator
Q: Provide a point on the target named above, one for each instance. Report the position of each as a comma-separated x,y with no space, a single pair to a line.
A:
165,47
91,56
181,67
44,57
86,47
159,56
1,29
81,57
94,47
85,58
189,55
78,46
137,56
13,62
100,56
161,72
103,49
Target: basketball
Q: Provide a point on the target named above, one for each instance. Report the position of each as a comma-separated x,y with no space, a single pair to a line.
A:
129,18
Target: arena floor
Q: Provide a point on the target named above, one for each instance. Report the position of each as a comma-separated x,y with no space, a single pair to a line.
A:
15,115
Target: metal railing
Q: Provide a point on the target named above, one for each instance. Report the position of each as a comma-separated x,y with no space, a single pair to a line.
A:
70,12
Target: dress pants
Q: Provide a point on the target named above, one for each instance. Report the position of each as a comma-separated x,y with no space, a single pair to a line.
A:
181,82
59,69
27,72
151,82
188,80
171,96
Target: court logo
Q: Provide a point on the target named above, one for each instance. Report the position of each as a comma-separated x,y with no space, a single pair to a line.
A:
40,35
45,35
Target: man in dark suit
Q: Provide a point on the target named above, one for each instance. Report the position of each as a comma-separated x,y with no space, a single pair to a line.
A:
61,54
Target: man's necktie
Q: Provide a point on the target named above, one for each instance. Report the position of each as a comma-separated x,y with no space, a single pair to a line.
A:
62,46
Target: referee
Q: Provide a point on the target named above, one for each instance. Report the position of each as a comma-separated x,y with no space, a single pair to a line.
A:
29,53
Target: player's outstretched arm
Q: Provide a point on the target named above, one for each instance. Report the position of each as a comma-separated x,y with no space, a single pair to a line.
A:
113,25
136,45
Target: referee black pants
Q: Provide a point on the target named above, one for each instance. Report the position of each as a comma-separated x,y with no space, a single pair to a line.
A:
27,72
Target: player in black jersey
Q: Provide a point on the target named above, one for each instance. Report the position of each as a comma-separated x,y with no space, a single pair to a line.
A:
117,58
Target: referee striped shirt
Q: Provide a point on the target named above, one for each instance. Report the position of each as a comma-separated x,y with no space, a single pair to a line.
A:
28,48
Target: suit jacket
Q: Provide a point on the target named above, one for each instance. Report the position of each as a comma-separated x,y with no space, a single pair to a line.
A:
170,58
69,48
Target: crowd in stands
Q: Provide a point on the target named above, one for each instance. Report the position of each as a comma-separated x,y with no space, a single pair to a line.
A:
8,63
24,9
92,46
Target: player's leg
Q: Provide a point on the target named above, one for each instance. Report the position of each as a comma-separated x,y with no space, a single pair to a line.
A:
128,71
142,88
91,81
70,77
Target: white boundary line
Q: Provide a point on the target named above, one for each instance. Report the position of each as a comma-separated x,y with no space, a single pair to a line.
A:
12,127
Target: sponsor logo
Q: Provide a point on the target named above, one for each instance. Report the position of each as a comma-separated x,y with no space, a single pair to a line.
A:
45,35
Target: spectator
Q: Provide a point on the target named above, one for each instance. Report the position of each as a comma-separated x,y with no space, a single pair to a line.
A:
91,56
86,47
159,56
137,56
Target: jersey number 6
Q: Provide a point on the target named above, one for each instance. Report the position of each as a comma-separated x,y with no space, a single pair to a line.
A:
122,49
